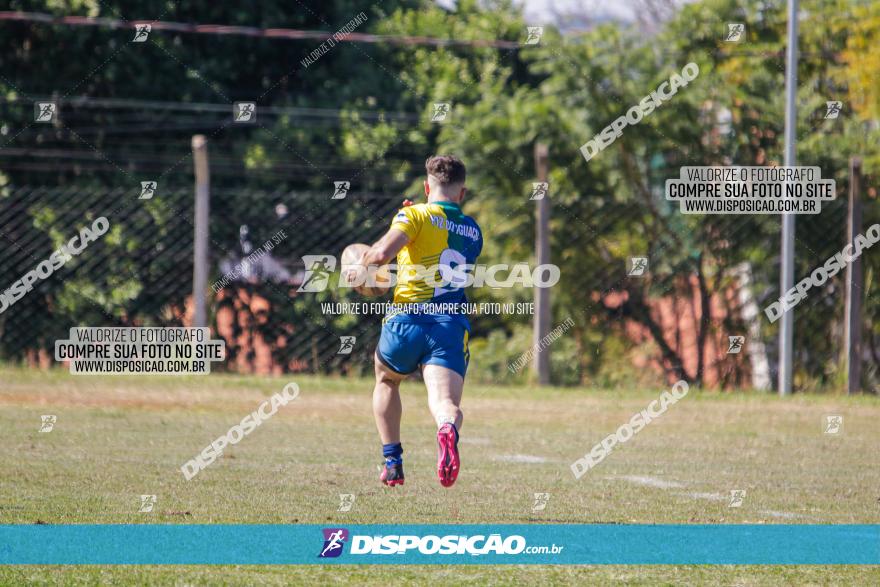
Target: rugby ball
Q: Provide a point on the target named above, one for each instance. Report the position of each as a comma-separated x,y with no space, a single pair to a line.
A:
373,283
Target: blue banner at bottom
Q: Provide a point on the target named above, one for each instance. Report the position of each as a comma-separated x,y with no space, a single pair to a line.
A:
557,544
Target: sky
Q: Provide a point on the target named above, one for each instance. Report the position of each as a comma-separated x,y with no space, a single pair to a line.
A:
540,12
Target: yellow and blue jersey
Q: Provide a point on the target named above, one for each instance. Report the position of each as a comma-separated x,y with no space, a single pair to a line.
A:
441,235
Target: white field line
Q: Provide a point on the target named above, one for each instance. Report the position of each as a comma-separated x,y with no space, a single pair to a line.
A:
784,515
518,458
709,496
650,481
658,483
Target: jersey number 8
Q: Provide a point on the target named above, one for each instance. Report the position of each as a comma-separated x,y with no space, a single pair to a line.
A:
452,276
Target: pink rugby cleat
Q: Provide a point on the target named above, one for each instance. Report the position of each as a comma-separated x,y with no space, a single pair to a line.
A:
447,457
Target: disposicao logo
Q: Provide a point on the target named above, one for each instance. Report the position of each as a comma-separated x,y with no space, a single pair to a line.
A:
334,539
431,544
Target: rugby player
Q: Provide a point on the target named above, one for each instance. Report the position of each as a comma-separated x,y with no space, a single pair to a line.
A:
423,335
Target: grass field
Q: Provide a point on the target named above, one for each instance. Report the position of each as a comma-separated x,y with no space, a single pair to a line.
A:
119,437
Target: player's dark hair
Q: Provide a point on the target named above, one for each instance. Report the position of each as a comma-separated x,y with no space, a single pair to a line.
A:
447,169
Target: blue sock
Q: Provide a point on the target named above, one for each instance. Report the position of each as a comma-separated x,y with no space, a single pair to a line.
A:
393,452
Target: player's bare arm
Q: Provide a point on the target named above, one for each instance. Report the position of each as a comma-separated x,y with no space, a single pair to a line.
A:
382,251
386,248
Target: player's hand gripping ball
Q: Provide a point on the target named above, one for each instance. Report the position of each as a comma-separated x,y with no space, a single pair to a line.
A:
370,283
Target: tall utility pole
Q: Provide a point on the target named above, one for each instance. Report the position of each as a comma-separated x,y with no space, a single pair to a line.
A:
786,278
541,361
854,283
201,227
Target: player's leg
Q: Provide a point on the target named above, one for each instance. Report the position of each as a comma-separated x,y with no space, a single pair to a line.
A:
398,352
445,388
387,411
443,372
